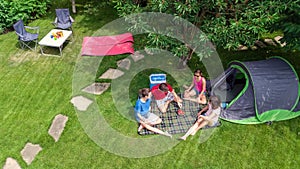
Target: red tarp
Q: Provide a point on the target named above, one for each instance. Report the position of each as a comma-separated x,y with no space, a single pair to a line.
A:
107,45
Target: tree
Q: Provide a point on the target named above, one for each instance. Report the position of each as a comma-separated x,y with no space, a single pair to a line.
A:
289,23
73,6
12,11
227,23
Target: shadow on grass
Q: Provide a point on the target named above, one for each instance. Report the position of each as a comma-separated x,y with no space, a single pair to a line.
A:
95,15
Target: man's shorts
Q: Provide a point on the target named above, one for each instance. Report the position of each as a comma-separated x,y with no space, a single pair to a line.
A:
161,102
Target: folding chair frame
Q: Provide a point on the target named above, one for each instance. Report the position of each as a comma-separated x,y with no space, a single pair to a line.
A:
55,23
26,43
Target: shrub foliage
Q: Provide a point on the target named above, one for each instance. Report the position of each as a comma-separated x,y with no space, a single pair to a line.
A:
227,23
13,10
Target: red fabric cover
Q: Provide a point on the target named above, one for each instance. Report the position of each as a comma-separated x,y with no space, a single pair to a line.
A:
107,45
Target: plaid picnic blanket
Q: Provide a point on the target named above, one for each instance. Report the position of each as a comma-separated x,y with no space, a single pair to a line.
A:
171,121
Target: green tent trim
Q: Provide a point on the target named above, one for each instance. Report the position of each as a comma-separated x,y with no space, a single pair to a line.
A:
270,115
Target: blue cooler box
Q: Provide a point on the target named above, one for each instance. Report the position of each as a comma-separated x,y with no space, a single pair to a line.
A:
157,79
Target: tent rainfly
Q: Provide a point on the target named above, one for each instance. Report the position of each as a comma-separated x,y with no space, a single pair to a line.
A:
258,91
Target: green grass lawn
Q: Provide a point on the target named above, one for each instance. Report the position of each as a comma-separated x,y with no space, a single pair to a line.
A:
35,88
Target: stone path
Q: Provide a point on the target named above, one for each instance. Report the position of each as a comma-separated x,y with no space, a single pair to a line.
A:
81,103
111,74
57,126
270,42
96,88
277,39
124,63
137,56
265,43
241,47
11,164
30,151
260,44
148,51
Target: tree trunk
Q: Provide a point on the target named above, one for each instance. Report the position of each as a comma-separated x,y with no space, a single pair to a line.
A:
182,62
184,59
73,6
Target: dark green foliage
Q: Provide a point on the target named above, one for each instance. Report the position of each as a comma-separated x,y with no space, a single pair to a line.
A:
290,25
12,11
227,23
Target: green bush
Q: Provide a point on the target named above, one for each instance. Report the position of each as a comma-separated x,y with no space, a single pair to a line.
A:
12,11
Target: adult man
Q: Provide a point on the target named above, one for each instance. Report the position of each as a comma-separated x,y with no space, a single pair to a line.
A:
164,94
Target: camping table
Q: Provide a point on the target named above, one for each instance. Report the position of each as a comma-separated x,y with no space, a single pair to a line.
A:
51,42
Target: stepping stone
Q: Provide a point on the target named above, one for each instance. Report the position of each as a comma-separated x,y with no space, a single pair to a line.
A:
96,88
11,164
260,44
125,63
137,56
148,51
57,126
270,42
242,47
253,47
277,39
111,74
81,103
29,152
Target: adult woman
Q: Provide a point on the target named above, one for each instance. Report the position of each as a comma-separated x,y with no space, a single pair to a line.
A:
197,88
211,117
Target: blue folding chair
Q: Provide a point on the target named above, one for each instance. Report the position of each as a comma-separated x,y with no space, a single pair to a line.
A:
63,19
24,37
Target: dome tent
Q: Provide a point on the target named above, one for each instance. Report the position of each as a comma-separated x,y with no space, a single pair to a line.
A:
258,91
